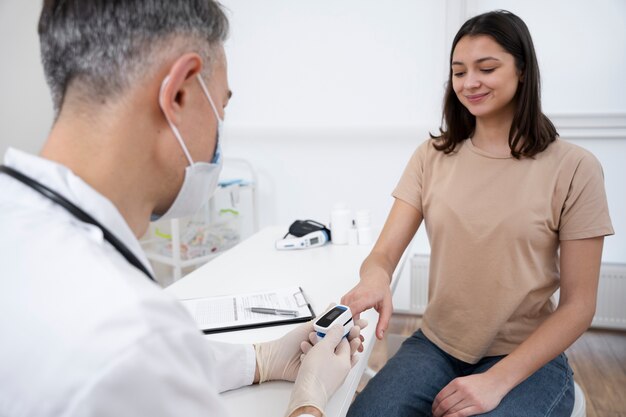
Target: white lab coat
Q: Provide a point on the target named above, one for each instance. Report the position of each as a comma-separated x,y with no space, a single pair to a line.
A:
83,332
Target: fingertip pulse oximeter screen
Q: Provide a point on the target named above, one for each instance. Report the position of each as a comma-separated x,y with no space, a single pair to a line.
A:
329,317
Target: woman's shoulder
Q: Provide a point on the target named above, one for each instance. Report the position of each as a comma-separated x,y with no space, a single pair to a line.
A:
570,160
568,152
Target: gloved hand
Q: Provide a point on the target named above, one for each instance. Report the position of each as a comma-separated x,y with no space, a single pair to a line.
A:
280,358
354,337
323,370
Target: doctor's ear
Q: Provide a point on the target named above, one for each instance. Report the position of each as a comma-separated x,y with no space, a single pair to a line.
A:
175,86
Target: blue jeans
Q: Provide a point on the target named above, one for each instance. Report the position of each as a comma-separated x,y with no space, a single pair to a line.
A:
409,382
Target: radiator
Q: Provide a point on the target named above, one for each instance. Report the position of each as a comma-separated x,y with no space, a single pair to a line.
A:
610,309
611,306
419,283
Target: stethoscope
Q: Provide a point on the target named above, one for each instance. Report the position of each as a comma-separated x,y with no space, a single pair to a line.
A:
79,214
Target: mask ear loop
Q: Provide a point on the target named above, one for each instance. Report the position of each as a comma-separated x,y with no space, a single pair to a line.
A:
208,96
220,122
172,126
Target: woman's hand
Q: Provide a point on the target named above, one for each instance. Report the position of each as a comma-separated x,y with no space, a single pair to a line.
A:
469,395
368,293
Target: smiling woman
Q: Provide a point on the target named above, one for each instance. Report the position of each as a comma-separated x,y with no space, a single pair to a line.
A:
485,85
493,66
513,213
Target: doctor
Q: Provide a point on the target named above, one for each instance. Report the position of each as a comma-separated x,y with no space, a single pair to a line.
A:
139,89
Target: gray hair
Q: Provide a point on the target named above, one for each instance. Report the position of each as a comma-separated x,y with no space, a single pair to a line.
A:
102,46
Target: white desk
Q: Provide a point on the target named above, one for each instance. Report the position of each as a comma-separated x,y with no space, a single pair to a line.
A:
324,273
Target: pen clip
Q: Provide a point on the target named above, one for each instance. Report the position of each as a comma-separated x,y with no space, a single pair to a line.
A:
300,298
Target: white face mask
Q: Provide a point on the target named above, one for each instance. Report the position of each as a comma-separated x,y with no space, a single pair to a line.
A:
201,178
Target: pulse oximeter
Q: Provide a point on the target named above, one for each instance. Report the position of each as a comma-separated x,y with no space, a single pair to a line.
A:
339,314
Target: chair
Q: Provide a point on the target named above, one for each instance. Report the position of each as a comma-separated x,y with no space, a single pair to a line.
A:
580,404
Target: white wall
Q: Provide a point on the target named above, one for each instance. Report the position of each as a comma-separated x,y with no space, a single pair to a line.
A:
25,106
329,63
331,97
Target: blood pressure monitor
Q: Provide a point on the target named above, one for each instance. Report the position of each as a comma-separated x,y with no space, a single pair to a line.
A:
309,240
339,314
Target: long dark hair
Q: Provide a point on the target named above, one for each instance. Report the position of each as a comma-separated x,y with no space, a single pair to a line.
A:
531,131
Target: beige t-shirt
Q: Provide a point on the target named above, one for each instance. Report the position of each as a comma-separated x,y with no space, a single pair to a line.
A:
494,226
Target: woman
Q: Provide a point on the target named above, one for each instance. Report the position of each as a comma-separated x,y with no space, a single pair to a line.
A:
501,196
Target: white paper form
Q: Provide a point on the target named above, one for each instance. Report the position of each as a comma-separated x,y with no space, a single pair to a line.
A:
215,314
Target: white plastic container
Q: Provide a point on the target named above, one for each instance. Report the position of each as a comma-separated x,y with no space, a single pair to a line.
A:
340,224
363,224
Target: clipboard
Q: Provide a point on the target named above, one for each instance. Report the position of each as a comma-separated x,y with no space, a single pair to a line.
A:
232,312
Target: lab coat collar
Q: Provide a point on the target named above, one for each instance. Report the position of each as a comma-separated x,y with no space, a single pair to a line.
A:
62,180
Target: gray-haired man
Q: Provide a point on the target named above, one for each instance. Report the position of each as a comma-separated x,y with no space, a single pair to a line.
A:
139,89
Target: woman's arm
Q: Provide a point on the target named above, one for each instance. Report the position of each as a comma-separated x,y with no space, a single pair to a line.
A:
376,271
580,270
